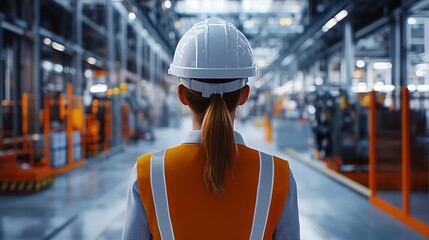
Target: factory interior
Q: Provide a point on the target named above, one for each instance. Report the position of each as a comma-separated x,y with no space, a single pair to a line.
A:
342,94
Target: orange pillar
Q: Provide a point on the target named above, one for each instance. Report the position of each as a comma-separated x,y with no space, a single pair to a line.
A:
46,131
406,171
372,144
69,123
24,113
268,129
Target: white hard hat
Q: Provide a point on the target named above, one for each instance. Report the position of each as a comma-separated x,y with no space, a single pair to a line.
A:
213,49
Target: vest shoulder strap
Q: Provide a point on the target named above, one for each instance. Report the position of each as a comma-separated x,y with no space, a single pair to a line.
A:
159,194
263,196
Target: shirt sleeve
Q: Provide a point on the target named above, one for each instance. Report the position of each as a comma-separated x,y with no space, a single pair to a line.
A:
288,226
136,225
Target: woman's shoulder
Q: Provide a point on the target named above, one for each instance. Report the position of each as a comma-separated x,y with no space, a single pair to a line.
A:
147,156
278,160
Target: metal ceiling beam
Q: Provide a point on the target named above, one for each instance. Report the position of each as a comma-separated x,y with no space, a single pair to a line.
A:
312,31
235,14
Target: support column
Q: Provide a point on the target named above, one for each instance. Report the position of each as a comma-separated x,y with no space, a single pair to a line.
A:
398,36
36,83
111,46
139,56
15,93
426,46
112,80
1,81
152,64
124,32
77,80
348,56
327,70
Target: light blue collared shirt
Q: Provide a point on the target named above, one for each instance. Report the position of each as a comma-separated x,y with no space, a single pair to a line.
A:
137,225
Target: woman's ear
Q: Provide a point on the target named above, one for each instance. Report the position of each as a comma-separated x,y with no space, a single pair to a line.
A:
183,97
245,95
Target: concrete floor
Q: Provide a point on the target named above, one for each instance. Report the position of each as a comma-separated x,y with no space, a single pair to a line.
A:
88,203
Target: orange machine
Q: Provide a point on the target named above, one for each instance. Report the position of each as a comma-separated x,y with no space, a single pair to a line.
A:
98,125
32,173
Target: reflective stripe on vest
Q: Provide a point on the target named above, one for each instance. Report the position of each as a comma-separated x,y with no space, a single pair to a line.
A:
262,205
263,196
159,193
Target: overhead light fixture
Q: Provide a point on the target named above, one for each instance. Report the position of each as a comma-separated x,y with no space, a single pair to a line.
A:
318,81
412,87
167,4
88,73
58,46
262,63
48,66
131,15
333,21
360,88
47,41
287,60
360,63
423,88
411,21
98,88
382,65
357,74
91,60
58,68
341,15
286,21
329,24
177,25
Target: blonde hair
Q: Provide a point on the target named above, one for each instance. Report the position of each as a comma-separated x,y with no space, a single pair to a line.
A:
217,134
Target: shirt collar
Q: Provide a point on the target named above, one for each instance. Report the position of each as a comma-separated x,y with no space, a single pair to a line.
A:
195,137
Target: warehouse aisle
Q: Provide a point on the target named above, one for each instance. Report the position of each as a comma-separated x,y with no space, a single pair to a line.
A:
88,203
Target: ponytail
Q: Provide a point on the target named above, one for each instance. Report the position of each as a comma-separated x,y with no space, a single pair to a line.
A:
217,139
217,134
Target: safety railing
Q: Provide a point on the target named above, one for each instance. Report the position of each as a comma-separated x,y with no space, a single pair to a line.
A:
399,159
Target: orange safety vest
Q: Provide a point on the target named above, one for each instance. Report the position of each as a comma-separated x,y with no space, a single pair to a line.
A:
178,205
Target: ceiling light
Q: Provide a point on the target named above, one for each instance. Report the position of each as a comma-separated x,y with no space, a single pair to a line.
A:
420,73
330,24
360,88
411,21
341,15
98,88
423,88
47,41
177,25
382,65
360,63
131,15
318,81
58,46
48,66
357,74
91,60
167,4
285,21
412,87
58,68
88,73
262,63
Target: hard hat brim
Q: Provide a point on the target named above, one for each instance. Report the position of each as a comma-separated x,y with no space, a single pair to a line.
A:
213,73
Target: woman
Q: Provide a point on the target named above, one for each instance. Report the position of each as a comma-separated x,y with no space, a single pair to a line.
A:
212,186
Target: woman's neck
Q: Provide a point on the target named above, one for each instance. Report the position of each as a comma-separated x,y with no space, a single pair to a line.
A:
197,120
